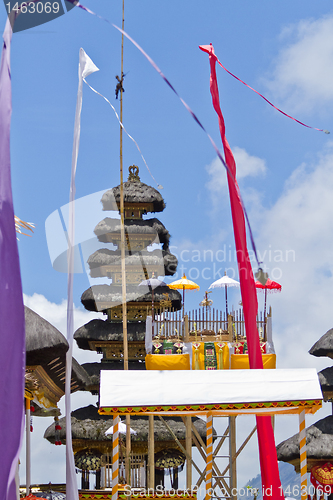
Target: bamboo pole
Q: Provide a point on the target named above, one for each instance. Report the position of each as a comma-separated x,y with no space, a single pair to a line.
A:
209,455
303,456
179,443
115,457
122,232
122,247
187,336
151,460
233,471
188,441
219,479
128,450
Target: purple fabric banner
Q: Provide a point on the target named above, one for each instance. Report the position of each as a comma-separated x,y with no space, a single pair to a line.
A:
12,332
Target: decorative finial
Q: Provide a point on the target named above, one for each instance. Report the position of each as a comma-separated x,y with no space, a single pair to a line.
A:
261,276
133,173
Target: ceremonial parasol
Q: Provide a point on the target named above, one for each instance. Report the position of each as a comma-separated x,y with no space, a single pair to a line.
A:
46,495
322,477
183,284
152,283
270,285
225,281
121,428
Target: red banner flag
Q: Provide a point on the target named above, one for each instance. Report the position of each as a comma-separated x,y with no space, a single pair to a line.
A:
271,483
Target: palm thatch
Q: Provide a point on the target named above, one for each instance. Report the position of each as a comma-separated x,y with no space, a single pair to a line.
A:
47,347
152,227
326,379
100,330
94,369
111,294
21,225
326,383
134,192
90,427
44,342
319,443
164,262
323,346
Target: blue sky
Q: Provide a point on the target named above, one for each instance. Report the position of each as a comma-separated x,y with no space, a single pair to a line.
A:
285,51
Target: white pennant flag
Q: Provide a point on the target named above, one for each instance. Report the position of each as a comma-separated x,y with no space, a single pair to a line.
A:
86,67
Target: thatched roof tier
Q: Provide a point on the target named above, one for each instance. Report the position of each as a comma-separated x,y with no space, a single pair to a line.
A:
100,330
94,369
47,347
103,297
319,443
134,192
89,427
152,228
104,261
43,412
80,375
323,346
43,341
326,382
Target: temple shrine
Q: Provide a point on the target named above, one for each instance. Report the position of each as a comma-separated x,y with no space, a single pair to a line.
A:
155,441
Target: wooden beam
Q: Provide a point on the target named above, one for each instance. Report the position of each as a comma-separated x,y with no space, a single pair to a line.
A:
151,458
202,450
128,450
187,335
233,469
188,445
241,448
200,444
179,443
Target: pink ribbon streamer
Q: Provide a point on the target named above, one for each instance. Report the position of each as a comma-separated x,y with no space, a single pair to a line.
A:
271,483
269,102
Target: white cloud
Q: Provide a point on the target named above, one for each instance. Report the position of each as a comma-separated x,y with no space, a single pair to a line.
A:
296,240
56,314
295,237
247,166
303,70
48,462
301,223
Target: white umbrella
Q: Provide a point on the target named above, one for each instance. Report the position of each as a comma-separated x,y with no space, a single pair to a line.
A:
152,283
225,282
122,429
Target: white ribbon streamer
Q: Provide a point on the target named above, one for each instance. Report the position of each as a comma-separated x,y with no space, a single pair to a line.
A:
122,126
86,67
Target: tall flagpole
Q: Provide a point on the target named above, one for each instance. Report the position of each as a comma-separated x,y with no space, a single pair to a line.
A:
122,246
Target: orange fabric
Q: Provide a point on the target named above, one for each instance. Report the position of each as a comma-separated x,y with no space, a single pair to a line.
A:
167,362
241,361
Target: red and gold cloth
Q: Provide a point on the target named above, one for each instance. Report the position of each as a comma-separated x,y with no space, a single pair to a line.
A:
322,477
